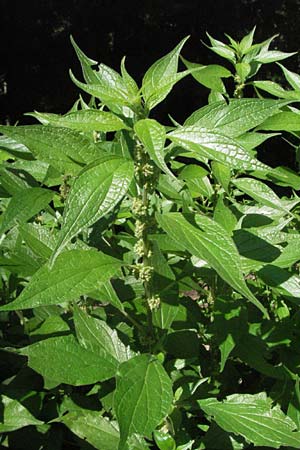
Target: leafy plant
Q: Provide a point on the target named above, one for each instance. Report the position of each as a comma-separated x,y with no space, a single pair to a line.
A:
150,272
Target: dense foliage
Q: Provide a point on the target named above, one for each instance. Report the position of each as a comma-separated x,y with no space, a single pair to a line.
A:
150,273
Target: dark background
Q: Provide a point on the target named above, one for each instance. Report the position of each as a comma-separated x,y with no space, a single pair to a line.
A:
36,53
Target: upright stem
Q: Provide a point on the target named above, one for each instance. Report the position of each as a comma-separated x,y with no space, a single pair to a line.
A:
144,174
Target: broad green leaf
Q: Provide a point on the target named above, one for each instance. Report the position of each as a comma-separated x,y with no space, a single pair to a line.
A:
290,254
84,120
285,120
239,116
156,85
252,140
260,192
292,78
224,216
93,428
66,150
15,416
206,239
97,337
216,147
164,441
25,205
266,57
70,363
15,149
39,239
253,417
275,89
210,76
143,396
96,191
74,273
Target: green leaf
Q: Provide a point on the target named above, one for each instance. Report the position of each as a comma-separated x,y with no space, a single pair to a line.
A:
15,415
291,77
93,428
266,57
285,120
84,120
156,83
110,88
275,89
281,281
153,136
216,147
243,69
222,173
89,74
206,239
70,363
106,293
66,150
25,205
96,191
260,192
210,76
239,116
253,417
97,337
143,396
11,182
247,41
74,273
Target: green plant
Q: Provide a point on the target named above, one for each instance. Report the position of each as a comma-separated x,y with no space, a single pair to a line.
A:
150,273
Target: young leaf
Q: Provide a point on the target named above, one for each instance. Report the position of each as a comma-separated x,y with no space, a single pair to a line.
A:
25,205
210,76
253,417
110,88
247,41
74,273
291,77
15,416
70,363
159,75
66,150
216,147
96,191
84,120
97,337
93,428
89,74
143,396
206,239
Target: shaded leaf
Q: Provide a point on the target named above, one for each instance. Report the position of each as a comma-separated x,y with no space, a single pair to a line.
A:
143,396
74,273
